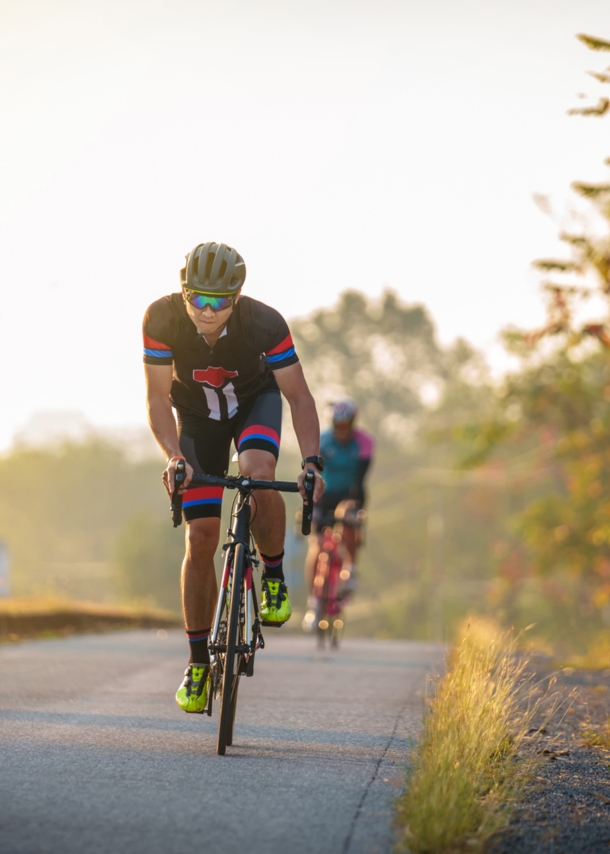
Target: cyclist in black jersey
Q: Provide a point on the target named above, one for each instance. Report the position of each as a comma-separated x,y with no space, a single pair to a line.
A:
220,360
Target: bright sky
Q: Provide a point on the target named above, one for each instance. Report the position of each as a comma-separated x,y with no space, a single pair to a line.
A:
335,143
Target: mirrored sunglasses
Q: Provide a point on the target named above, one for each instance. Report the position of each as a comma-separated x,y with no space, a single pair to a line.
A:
201,301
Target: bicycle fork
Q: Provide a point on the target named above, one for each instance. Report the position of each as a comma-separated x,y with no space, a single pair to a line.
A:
239,533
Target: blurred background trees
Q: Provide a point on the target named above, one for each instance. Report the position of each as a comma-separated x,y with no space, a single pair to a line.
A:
428,532
385,355
147,558
484,496
82,521
556,410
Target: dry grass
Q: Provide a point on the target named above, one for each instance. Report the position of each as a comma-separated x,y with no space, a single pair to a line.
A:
468,769
597,736
40,605
597,656
26,618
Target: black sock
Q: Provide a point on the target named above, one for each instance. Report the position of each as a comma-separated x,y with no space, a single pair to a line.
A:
198,645
273,566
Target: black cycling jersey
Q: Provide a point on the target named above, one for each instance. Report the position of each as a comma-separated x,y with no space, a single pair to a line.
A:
214,381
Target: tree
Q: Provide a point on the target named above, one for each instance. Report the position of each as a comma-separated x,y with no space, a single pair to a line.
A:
147,560
558,407
385,354
66,505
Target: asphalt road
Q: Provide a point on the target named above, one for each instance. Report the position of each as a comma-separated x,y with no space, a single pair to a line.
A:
95,756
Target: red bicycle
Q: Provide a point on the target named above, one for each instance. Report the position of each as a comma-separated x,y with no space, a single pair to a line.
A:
327,589
333,580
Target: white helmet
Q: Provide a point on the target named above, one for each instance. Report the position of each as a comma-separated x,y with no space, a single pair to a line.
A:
344,409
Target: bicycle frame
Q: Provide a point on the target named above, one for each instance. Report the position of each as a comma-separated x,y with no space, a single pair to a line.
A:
239,533
330,576
236,637
326,589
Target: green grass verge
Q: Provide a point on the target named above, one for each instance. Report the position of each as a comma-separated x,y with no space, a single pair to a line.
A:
468,768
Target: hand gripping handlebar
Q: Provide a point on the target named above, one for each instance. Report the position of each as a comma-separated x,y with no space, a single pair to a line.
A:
176,502
246,485
309,484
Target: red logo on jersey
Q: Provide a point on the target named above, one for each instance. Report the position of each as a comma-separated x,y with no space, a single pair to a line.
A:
213,377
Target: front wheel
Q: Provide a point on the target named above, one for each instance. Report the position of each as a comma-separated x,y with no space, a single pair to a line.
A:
230,676
231,721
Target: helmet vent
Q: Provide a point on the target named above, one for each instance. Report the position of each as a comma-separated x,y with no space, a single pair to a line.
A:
209,263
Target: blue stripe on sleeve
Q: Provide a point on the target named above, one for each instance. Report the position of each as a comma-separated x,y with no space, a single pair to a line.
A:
279,357
158,354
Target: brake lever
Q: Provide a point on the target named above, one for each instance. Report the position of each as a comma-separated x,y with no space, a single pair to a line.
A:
176,503
308,483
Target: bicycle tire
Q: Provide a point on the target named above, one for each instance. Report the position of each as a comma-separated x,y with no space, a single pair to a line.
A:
231,721
239,659
227,709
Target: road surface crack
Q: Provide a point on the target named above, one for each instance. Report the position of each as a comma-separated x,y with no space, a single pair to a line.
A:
374,776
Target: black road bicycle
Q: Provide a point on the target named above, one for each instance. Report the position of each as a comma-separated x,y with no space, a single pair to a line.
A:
236,631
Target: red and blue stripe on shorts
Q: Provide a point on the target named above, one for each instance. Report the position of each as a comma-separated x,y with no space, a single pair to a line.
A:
259,437
203,496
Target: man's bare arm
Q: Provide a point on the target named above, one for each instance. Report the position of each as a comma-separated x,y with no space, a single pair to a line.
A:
161,418
293,386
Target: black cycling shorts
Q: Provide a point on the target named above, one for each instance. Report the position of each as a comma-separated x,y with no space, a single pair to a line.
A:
324,510
206,444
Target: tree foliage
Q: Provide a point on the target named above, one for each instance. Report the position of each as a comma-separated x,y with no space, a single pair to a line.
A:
86,503
558,406
147,559
385,354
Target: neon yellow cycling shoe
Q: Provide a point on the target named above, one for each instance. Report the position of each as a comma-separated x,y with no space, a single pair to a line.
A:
192,695
275,604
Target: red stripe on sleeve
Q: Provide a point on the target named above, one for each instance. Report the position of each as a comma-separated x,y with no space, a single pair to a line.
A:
154,345
286,344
